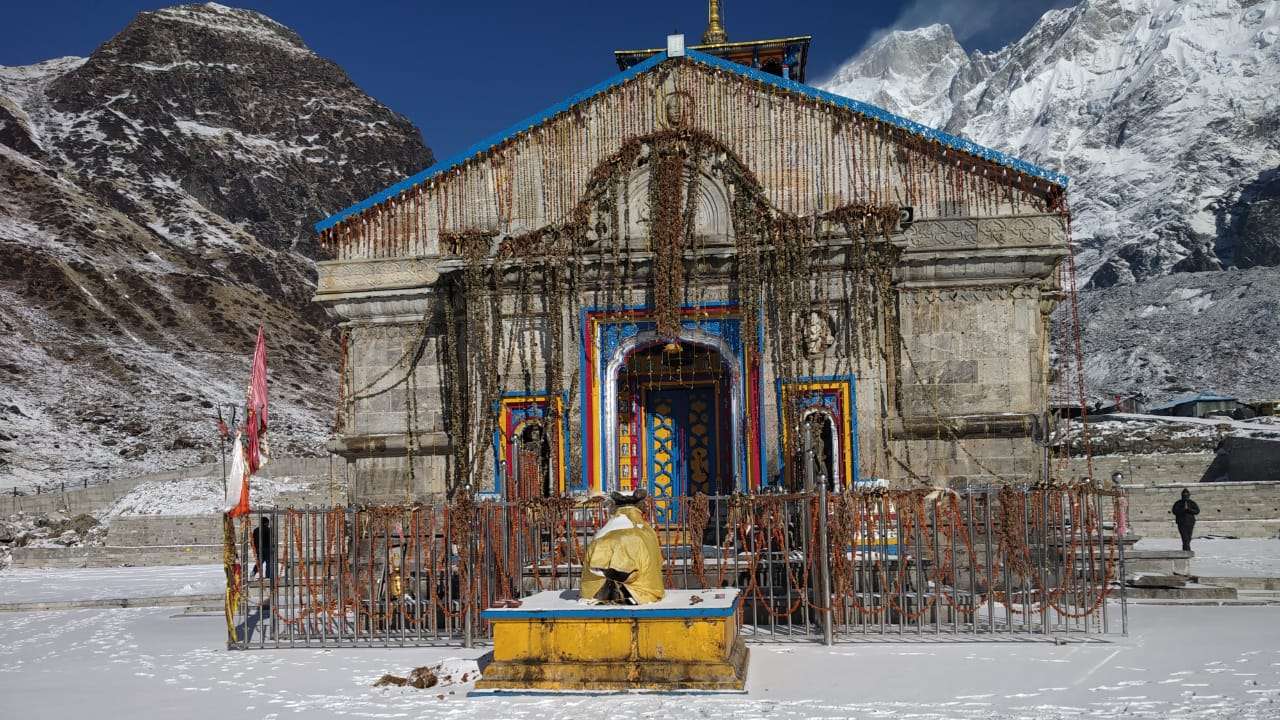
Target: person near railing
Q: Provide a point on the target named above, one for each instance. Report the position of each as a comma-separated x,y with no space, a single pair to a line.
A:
1184,514
264,550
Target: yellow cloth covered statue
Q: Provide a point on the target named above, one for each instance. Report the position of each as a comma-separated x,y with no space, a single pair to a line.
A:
624,561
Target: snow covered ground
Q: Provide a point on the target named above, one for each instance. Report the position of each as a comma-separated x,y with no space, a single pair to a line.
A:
57,585
1203,662
1223,557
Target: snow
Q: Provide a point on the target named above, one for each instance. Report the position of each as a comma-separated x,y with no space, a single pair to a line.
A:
1235,426
58,585
1153,107
153,67
197,496
254,26
1221,662
1223,557
1212,662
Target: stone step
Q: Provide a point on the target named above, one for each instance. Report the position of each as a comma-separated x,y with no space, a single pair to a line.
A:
1240,583
1189,591
1239,602
134,602
1149,580
1271,595
1166,562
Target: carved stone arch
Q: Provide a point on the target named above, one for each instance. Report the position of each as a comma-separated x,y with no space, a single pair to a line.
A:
712,221
623,180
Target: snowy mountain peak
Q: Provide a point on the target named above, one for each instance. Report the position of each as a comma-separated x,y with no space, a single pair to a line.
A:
156,202
250,25
1165,114
908,72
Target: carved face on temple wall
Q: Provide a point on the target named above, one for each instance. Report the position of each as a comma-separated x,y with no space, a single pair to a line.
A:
817,335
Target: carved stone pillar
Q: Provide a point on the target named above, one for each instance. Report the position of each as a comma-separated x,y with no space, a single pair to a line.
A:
974,360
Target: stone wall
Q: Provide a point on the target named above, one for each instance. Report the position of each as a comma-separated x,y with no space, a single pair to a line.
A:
1240,509
97,498
153,530
974,299
1251,459
1152,469
1239,459
962,397
79,557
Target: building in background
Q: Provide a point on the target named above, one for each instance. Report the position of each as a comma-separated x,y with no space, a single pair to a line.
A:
1199,405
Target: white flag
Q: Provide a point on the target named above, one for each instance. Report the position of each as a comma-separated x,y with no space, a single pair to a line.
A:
237,500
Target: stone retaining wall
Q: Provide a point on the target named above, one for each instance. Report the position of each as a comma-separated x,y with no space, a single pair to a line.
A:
79,557
1242,509
96,498
1241,459
1154,469
151,530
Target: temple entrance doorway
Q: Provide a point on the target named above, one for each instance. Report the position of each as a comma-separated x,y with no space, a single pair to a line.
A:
532,458
674,436
825,442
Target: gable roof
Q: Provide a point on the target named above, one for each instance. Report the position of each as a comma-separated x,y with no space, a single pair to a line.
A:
942,138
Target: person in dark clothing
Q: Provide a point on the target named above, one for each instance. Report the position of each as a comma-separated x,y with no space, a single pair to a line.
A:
1184,513
264,549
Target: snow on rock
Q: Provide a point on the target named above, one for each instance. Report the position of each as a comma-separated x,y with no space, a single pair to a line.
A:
197,496
450,674
1166,116
1125,433
46,530
156,202
909,72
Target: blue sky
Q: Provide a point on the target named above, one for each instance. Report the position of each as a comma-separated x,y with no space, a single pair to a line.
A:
462,70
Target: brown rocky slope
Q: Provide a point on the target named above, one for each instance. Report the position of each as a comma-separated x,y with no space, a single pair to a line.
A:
156,202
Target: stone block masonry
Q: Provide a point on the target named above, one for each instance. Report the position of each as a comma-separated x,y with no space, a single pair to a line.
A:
1240,509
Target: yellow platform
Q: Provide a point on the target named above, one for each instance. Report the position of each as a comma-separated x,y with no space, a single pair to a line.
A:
554,642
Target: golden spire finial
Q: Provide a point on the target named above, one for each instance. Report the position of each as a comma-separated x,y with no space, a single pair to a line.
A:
715,30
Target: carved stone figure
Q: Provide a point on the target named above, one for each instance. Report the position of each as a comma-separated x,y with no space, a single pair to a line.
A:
818,334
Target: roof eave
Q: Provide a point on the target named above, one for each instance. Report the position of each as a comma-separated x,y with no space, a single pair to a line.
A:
489,142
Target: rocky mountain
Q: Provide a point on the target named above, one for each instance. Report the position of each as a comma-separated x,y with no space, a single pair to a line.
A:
156,202
1166,116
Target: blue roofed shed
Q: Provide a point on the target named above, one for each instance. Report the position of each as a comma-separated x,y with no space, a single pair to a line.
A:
1198,405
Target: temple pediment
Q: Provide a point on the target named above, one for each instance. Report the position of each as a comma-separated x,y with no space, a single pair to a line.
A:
809,152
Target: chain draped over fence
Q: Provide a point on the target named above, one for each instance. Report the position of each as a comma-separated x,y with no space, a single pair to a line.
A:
994,562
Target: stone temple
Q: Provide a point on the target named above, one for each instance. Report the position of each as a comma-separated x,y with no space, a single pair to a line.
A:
677,277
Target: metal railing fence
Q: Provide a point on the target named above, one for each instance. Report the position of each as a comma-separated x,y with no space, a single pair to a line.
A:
998,563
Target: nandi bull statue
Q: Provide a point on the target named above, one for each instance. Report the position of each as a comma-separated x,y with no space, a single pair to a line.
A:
623,564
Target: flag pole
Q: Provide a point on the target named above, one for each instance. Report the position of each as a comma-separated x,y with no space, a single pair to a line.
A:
222,444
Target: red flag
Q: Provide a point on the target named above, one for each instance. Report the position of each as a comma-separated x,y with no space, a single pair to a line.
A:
256,404
223,430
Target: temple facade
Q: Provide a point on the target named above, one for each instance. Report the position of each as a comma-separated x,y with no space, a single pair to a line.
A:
678,279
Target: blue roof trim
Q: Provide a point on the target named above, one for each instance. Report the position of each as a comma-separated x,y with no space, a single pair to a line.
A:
947,139
928,133
490,142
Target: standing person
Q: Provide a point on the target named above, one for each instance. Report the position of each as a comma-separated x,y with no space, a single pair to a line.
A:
1184,513
264,549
